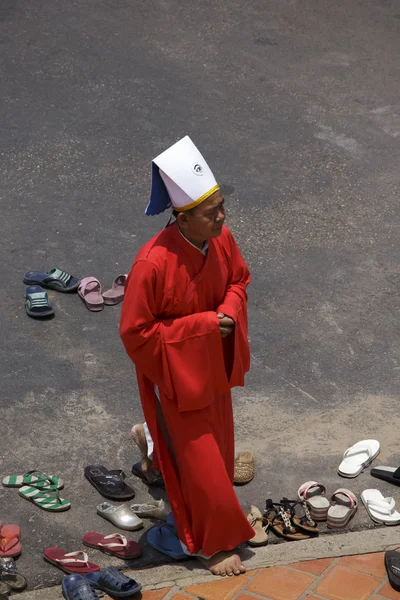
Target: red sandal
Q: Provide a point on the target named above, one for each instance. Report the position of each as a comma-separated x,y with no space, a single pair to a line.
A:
114,544
73,562
10,544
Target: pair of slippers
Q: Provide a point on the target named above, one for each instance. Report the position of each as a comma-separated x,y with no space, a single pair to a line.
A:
109,580
337,511
37,302
288,519
129,516
40,489
83,572
90,291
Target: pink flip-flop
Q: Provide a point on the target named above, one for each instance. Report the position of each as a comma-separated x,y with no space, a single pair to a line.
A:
71,562
90,291
116,293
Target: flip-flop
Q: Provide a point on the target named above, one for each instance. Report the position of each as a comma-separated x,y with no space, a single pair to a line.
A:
114,544
37,303
357,457
392,564
255,519
10,540
314,494
76,587
164,538
116,294
55,279
120,516
90,291
390,474
5,591
114,583
71,562
138,472
46,500
380,509
36,479
343,507
9,575
110,484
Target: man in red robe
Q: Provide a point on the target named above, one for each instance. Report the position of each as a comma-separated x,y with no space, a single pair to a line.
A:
184,325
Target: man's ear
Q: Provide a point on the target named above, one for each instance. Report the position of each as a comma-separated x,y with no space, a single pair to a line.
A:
182,220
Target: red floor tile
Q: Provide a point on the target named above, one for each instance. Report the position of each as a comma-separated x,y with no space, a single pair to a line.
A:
316,567
388,592
280,583
372,564
341,583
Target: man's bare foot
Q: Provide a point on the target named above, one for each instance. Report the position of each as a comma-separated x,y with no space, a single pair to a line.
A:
139,437
224,563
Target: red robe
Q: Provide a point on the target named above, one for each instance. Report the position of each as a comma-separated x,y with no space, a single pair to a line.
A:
171,332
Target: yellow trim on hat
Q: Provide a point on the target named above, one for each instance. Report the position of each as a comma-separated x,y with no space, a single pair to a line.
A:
199,200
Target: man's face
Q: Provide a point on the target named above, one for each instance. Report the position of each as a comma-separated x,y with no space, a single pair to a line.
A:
205,220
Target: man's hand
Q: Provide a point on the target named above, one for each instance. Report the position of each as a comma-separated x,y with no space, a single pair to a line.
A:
226,324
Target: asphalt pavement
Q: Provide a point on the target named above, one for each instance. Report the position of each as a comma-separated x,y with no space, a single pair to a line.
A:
295,106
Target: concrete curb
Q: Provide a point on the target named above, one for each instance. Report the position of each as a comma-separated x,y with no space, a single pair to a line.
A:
345,544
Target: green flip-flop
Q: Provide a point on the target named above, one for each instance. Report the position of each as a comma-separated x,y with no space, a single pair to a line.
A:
36,479
49,501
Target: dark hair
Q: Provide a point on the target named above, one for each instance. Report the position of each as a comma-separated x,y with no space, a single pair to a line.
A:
175,213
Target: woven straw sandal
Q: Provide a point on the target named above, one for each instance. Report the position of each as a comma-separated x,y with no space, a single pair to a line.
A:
244,468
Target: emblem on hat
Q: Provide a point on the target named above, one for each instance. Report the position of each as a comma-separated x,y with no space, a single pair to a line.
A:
197,169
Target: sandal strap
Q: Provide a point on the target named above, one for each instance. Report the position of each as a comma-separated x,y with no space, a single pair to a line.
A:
71,558
387,506
359,450
4,542
115,536
347,494
304,490
113,577
58,277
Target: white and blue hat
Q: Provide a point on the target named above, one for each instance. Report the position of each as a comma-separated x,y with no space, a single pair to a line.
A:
181,178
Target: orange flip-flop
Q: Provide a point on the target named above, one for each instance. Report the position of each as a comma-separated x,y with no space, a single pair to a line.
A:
10,540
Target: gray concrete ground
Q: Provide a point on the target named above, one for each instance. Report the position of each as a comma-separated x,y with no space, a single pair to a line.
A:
296,108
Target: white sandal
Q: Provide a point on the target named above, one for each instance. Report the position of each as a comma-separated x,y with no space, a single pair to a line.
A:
357,457
380,509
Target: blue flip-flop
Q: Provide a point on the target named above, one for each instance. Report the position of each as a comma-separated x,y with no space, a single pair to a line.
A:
76,587
113,582
37,302
164,538
55,279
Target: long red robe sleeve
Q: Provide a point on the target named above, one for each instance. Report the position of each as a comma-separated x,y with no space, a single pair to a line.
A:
174,353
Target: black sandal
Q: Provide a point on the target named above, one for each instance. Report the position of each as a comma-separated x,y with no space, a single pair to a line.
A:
280,521
110,484
304,521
